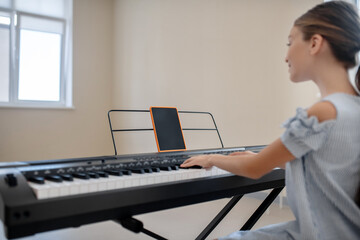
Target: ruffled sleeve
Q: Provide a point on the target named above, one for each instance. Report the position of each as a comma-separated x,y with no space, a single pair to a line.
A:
304,134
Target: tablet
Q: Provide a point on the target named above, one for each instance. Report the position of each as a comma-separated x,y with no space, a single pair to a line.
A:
167,128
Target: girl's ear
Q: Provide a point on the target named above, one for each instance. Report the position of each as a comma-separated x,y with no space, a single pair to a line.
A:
316,42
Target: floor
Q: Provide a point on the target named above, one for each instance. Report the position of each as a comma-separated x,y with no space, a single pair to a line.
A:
184,223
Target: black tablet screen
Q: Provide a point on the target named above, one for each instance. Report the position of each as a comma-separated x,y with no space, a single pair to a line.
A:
167,128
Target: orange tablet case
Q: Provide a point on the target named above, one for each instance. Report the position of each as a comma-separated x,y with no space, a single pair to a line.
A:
156,137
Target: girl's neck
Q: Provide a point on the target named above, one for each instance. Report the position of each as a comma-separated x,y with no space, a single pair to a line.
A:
327,89
334,80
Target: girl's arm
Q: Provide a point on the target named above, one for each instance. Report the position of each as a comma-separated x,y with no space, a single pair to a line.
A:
253,165
246,164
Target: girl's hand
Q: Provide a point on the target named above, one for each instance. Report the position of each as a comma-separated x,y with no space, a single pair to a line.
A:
206,161
200,160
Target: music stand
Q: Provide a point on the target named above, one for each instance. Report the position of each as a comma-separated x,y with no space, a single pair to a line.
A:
137,226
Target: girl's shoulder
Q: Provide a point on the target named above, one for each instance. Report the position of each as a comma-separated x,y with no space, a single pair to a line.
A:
339,106
323,111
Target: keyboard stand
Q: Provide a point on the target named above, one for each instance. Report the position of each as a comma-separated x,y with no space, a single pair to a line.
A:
136,226
262,208
212,225
250,222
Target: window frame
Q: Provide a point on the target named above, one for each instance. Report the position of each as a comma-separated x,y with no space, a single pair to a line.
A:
65,78
10,49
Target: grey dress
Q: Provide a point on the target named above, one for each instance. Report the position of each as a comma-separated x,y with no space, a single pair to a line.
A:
323,180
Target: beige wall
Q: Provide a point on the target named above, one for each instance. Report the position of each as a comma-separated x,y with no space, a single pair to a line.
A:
225,57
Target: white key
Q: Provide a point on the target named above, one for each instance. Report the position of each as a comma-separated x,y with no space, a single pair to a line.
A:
54,189
151,178
74,187
102,184
111,182
40,190
144,179
65,188
120,182
181,174
92,185
158,177
172,176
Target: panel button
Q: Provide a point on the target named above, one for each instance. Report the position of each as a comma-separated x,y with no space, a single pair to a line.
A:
11,180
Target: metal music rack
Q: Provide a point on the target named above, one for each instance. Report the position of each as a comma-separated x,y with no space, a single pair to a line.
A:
151,129
136,226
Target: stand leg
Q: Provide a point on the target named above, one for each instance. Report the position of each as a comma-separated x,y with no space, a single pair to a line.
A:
212,225
137,226
261,209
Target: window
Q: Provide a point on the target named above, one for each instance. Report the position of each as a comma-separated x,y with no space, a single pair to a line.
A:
35,53
357,3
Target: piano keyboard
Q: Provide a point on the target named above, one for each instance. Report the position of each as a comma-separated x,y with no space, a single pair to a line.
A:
39,196
80,176
51,189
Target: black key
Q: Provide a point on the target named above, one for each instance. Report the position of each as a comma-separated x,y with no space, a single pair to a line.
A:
155,169
126,172
196,167
114,172
165,168
192,167
148,170
81,175
138,170
103,174
174,167
93,175
39,180
67,177
54,178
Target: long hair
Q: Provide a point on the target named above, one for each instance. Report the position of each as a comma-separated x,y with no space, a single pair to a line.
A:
337,22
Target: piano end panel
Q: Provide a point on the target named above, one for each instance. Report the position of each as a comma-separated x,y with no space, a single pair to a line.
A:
12,198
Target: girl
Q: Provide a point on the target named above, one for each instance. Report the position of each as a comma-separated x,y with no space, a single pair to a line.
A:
321,145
